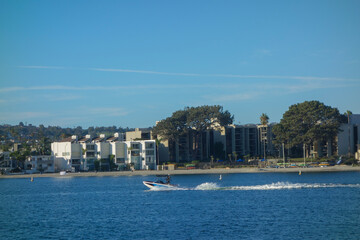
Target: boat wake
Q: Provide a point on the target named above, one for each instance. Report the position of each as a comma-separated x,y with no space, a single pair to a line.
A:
275,186
210,186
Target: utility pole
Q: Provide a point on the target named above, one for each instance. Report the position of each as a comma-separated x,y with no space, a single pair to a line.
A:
283,151
304,153
349,148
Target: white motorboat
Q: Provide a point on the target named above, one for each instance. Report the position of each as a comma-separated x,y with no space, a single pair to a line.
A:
160,184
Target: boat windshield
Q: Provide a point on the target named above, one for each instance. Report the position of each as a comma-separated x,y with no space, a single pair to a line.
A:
164,179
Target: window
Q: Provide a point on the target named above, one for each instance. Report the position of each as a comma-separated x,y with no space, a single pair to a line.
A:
90,147
149,152
135,146
149,145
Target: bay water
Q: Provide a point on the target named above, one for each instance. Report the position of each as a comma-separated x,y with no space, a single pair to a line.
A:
239,206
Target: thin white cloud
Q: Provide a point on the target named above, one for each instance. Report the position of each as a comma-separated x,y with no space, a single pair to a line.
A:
303,85
114,88
226,75
260,77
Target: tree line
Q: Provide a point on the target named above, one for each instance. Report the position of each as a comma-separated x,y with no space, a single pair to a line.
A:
40,137
303,123
192,121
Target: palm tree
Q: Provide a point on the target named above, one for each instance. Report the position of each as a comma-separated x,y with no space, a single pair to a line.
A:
157,142
348,113
264,119
235,155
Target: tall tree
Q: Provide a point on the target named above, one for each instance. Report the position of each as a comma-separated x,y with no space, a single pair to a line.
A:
194,121
264,120
203,118
348,113
172,127
307,122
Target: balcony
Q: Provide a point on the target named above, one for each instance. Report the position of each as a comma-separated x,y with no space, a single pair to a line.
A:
135,153
135,146
75,161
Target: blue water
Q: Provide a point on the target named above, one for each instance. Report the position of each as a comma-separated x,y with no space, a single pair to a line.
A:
240,206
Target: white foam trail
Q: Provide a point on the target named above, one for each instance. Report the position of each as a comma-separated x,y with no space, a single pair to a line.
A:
207,186
275,186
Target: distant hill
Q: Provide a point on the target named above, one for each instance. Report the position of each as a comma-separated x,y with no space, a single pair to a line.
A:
25,133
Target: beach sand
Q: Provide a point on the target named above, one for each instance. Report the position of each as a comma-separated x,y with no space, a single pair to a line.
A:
192,171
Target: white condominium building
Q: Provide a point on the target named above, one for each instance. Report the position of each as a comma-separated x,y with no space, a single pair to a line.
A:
83,154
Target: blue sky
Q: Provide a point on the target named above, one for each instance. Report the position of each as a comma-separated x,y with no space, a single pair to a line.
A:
131,63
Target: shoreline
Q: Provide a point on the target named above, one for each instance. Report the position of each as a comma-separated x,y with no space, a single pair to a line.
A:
190,172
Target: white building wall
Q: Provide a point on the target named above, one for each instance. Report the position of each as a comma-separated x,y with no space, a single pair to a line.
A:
149,155
76,150
64,153
143,157
70,154
119,150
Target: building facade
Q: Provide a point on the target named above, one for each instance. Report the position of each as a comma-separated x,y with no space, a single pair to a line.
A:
242,140
265,140
348,138
139,134
90,153
40,164
141,154
225,143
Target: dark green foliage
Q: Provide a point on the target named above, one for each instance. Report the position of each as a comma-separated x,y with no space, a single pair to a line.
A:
113,166
198,119
37,140
203,117
29,133
172,127
192,121
97,165
307,122
22,153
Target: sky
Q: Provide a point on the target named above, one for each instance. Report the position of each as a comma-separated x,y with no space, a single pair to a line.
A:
132,63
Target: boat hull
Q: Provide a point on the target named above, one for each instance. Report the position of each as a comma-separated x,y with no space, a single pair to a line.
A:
157,185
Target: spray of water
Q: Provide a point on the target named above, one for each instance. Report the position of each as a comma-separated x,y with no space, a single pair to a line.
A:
275,186
210,186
